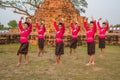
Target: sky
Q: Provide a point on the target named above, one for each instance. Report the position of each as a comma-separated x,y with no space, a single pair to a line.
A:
106,9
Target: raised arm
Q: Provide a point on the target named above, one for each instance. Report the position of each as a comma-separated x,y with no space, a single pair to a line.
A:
95,26
107,25
78,25
63,28
55,26
71,25
78,28
37,25
20,24
85,24
44,27
30,25
98,23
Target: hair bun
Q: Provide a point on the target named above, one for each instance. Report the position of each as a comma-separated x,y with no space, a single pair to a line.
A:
27,23
104,23
91,22
60,23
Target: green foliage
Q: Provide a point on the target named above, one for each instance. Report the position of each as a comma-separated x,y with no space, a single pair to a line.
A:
80,5
12,23
1,26
117,25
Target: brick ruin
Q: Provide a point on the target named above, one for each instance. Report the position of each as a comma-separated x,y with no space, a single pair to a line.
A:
52,10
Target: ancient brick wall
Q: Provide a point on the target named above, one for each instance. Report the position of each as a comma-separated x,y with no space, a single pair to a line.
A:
7,38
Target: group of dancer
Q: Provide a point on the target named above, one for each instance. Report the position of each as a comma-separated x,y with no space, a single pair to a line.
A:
91,29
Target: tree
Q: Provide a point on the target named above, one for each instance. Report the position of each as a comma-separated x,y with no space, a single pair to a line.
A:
117,25
28,7
1,26
12,23
80,5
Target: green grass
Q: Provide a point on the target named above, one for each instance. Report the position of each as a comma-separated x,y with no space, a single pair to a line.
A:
107,68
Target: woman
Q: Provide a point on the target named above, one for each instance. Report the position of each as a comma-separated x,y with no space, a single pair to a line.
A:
41,30
73,44
60,29
25,30
102,31
91,30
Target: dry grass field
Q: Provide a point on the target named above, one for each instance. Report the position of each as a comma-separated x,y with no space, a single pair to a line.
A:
73,68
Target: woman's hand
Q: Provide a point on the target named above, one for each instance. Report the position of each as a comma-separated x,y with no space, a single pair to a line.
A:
21,18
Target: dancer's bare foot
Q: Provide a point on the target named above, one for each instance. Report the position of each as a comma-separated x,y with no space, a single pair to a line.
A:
60,62
56,63
75,54
38,54
70,54
41,55
26,63
88,64
18,64
101,55
93,63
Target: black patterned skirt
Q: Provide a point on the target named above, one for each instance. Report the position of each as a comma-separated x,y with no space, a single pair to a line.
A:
59,48
91,48
23,49
101,42
41,43
73,43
